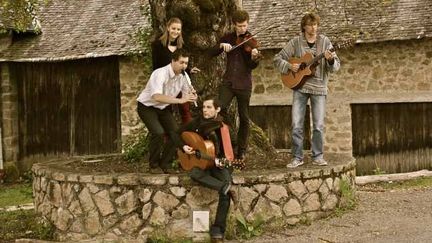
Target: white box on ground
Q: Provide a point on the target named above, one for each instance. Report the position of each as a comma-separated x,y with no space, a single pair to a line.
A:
200,221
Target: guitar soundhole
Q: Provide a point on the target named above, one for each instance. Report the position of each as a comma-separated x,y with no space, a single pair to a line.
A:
302,66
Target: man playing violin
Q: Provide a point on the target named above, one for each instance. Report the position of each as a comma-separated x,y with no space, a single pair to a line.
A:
237,80
314,88
209,127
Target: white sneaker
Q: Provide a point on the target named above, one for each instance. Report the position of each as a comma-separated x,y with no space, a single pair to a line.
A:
320,162
295,163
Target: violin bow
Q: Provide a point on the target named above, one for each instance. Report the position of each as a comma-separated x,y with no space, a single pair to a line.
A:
246,40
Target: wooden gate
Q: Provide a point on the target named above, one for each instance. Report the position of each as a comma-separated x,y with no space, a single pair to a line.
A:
275,120
68,108
392,137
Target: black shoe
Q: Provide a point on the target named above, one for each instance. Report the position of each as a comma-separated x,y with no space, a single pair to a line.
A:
169,171
155,170
216,240
241,156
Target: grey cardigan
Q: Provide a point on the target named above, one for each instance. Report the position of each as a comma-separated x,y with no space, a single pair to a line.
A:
297,47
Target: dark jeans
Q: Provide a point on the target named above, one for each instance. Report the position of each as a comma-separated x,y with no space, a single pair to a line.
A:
219,180
226,95
159,122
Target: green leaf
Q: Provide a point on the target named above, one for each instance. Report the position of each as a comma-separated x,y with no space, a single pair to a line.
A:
242,221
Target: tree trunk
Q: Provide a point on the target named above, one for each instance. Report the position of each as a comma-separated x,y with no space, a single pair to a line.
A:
204,22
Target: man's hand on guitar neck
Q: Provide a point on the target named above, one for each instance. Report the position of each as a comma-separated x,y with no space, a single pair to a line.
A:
329,55
219,163
188,149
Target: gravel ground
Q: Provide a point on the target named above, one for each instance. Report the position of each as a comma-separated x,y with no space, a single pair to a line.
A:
397,215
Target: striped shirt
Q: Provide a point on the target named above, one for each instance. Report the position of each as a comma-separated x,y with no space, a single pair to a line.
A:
297,47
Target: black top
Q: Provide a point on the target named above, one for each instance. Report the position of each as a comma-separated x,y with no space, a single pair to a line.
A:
239,66
161,55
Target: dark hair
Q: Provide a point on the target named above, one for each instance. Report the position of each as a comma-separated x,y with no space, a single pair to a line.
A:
179,53
216,102
240,16
309,18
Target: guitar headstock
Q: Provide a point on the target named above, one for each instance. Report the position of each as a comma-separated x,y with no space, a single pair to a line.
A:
236,164
344,44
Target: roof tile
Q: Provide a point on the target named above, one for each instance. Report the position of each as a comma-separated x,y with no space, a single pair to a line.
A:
365,21
81,28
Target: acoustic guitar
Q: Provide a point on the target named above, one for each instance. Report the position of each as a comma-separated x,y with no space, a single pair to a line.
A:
206,151
308,63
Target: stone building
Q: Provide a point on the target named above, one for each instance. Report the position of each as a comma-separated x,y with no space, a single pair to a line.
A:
71,89
379,102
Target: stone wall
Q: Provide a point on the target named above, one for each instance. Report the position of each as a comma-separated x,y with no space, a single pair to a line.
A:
133,78
385,72
136,205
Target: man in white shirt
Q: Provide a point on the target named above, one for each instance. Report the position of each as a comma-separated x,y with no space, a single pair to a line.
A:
163,87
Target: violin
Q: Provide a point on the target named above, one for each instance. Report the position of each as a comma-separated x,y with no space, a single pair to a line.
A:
248,42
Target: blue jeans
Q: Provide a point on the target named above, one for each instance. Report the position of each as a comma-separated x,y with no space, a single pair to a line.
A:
298,114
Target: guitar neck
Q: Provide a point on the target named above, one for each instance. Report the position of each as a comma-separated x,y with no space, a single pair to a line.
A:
226,163
206,157
315,59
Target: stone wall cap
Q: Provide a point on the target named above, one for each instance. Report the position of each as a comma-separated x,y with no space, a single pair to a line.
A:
338,163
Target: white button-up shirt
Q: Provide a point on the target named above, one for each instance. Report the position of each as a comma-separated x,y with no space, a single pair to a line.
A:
163,81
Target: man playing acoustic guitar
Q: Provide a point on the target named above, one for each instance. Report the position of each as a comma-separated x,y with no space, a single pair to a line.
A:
217,177
314,87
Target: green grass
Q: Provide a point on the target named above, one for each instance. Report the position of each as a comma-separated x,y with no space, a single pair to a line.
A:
348,200
24,224
416,183
16,194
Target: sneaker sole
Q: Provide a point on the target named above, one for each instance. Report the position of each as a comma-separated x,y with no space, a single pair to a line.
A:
319,164
288,166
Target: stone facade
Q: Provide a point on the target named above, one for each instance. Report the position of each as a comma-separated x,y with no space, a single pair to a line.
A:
133,78
135,205
396,71
385,72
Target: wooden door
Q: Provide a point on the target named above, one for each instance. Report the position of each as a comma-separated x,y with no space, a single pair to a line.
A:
69,108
